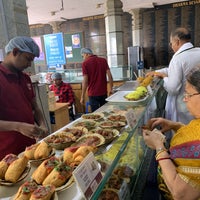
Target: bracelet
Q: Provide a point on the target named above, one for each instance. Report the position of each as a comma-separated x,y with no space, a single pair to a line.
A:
159,159
159,151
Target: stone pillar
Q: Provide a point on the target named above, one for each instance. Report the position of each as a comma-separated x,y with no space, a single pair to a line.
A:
136,26
55,26
114,33
13,20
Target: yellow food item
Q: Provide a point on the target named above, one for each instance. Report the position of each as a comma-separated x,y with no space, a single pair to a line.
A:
146,81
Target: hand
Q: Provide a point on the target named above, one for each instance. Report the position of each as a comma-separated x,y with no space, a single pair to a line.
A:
153,139
164,124
31,130
82,101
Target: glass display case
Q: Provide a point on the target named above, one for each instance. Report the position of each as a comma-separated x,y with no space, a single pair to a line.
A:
127,151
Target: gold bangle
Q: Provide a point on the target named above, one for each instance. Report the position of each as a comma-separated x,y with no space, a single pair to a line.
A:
165,158
159,151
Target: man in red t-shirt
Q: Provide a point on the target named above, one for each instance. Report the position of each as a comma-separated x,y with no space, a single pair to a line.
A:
21,121
95,72
63,92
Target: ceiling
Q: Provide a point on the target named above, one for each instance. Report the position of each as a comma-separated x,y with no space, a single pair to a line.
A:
45,11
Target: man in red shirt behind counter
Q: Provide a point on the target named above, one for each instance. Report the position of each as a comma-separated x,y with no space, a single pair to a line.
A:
95,72
63,92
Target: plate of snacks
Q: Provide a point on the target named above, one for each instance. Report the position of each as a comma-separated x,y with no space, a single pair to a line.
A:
112,124
60,140
108,134
77,131
93,116
15,171
117,117
38,152
90,139
89,124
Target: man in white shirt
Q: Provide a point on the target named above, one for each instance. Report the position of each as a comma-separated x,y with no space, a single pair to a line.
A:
185,58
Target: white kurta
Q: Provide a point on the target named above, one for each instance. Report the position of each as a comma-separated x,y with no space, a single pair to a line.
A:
181,63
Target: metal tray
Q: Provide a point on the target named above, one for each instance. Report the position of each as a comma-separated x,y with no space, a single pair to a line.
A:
128,86
118,97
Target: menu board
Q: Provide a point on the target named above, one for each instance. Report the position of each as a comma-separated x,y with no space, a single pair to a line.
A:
158,24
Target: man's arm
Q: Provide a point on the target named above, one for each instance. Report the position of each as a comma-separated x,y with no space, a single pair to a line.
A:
110,80
84,88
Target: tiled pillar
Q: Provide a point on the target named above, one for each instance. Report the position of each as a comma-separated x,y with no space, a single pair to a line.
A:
136,26
13,20
114,33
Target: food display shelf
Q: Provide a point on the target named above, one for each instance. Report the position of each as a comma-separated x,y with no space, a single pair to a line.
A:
141,115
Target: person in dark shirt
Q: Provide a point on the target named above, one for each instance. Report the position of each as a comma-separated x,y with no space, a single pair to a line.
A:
63,92
21,120
95,72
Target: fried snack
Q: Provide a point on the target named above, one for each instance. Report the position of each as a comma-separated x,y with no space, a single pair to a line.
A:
68,155
4,164
59,175
43,193
29,151
146,81
44,169
25,190
16,169
42,151
84,151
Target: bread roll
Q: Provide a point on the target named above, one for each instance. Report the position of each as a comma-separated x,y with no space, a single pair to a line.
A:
83,151
44,169
29,151
59,175
16,169
4,164
68,157
42,151
43,193
25,190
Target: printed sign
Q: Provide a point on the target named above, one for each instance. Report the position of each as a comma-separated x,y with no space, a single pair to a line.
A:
88,175
54,49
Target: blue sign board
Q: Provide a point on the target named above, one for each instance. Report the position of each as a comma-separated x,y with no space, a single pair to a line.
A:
140,65
54,49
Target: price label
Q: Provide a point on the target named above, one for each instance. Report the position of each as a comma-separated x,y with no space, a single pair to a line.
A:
130,117
88,175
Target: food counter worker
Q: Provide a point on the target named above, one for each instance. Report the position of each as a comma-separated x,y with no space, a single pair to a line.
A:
21,121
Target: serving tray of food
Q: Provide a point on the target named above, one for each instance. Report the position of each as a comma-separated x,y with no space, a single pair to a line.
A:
119,97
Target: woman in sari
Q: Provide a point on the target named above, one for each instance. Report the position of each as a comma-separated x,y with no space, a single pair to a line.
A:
179,166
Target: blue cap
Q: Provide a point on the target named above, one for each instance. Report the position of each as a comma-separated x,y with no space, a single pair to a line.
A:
24,44
86,51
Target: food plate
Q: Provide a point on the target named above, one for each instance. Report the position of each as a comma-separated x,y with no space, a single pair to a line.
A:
118,97
39,161
89,124
93,116
109,193
110,124
108,134
117,117
77,131
90,139
68,184
60,140
23,176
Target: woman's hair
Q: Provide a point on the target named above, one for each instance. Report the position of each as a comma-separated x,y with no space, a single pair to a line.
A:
194,78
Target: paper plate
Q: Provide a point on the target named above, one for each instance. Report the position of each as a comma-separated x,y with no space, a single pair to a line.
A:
92,139
93,116
67,185
23,176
